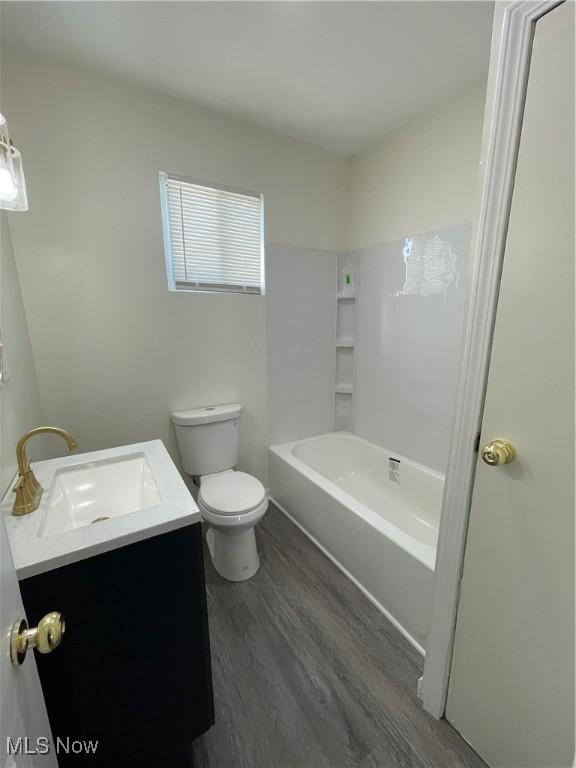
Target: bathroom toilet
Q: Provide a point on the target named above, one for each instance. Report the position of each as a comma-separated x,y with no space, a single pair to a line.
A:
231,502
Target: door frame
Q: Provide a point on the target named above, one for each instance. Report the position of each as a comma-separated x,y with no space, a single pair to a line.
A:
511,50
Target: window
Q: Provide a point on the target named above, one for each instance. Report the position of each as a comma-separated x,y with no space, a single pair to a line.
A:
213,237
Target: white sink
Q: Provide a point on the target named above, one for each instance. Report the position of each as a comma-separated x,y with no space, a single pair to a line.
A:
135,488
97,491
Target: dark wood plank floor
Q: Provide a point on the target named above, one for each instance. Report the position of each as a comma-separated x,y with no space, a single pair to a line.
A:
308,673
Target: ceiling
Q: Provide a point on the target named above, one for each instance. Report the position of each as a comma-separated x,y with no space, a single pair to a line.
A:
338,74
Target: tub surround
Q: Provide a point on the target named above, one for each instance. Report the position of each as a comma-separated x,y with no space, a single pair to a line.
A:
300,319
35,553
378,357
410,314
373,512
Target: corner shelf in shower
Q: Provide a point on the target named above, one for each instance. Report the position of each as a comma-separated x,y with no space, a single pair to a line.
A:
345,341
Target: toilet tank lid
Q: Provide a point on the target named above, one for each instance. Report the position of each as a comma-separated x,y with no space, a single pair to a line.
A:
207,415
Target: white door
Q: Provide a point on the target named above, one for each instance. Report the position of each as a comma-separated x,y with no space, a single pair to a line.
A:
22,708
511,690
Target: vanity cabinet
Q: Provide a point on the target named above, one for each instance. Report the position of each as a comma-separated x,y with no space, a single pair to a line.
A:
133,671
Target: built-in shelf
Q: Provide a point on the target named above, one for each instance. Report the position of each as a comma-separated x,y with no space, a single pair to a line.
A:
345,341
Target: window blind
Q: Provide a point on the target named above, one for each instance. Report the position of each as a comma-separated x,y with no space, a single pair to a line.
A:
213,236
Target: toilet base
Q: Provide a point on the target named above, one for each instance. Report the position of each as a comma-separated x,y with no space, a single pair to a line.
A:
234,554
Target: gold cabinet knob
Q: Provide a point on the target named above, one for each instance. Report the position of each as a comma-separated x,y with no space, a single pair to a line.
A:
45,637
498,452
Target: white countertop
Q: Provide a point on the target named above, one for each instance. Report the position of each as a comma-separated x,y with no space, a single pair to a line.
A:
34,554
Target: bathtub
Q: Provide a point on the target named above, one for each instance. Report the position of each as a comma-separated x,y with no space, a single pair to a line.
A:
373,512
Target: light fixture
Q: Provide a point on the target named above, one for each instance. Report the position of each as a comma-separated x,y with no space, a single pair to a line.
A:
12,184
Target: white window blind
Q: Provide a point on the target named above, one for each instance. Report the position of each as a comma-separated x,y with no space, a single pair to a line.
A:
213,236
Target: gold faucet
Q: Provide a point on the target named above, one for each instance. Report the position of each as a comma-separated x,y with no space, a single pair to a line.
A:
27,489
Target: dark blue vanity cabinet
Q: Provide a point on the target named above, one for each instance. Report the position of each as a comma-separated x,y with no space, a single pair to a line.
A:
133,670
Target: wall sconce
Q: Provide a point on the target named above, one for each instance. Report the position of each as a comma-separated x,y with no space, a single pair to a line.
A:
12,184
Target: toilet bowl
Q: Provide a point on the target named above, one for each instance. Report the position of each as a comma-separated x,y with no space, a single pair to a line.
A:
230,502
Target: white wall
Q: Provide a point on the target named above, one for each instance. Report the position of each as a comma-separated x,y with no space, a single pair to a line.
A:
19,397
420,178
114,350
300,332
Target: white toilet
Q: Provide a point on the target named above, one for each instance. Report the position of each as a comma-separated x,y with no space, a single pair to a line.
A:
231,502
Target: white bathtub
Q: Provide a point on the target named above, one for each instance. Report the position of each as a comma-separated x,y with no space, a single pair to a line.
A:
380,531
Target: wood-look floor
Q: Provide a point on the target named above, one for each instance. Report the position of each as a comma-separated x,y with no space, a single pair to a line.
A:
308,673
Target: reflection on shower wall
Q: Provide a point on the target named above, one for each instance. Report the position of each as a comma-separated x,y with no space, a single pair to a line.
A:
410,313
431,266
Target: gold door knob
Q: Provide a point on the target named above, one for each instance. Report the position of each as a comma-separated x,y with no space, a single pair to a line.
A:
45,637
498,452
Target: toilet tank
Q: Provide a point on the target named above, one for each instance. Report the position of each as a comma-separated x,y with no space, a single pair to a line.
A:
208,438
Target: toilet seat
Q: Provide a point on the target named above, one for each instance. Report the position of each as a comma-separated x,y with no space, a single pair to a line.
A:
230,494
233,523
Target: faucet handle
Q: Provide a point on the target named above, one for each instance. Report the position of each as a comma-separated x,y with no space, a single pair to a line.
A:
28,494
20,483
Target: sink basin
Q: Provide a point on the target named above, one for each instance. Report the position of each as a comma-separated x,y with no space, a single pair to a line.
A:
97,491
136,488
